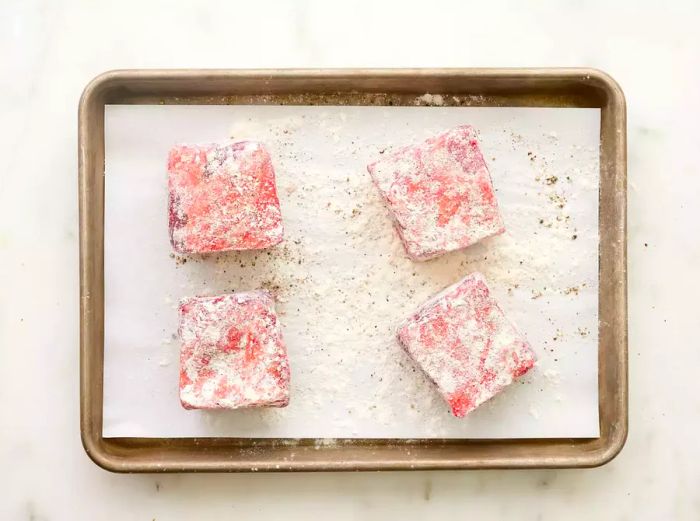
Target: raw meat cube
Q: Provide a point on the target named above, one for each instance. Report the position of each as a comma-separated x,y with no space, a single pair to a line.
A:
232,352
222,197
465,344
439,194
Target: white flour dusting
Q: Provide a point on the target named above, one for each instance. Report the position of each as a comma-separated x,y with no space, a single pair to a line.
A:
439,193
232,352
466,315
435,100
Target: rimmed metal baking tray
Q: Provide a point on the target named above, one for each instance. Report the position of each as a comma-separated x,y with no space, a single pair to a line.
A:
482,87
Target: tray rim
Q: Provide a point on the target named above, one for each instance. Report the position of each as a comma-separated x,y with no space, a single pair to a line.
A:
219,454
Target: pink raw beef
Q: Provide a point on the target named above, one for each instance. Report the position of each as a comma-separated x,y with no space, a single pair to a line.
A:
232,352
466,345
439,194
222,197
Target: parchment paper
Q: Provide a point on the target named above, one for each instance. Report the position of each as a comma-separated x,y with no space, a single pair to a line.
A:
342,279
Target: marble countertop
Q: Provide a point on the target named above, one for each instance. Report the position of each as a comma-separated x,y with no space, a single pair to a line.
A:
50,50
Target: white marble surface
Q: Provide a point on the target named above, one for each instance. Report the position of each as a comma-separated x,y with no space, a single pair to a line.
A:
49,50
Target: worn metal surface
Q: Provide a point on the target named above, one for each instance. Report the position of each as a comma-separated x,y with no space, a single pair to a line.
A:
480,87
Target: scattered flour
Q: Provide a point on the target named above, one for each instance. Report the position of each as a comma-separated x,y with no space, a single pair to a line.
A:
343,282
430,99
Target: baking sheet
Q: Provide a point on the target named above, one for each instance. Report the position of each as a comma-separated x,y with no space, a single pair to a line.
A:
342,279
